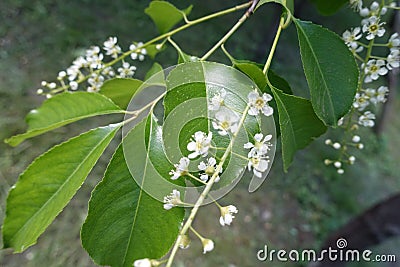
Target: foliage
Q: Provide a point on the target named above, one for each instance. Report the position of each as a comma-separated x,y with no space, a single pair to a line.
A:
225,113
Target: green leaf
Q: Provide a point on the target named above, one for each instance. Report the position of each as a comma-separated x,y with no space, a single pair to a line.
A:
190,87
120,90
330,69
254,71
124,223
63,109
153,50
298,123
48,184
165,15
156,68
328,7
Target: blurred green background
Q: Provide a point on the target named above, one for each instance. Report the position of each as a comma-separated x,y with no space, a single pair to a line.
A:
291,210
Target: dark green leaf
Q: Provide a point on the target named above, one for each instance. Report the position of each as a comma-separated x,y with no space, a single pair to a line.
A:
48,184
124,223
298,123
63,109
165,15
330,69
328,7
121,90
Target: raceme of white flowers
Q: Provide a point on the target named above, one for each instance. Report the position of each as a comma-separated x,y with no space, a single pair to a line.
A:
224,121
93,68
362,42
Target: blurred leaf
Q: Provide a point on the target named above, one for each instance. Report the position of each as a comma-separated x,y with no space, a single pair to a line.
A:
124,223
330,69
328,7
152,50
156,68
165,15
298,123
120,90
48,184
63,109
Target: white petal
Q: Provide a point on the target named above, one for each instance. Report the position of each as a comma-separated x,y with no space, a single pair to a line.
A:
198,136
253,96
258,137
191,146
248,145
204,177
262,166
202,166
212,161
221,221
267,110
193,155
253,111
267,137
168,206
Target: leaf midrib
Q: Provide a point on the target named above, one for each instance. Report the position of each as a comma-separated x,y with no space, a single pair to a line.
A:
318,65
139,198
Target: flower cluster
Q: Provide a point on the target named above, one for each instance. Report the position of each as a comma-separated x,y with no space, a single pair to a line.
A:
362,41
93,68
224,121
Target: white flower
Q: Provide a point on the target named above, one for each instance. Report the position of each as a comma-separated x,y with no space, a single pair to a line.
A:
73,85
217,100
374,69
372,27
80,62
227,214
208,245
227,120
393,59
340,121
260,146
172,200
259,103
352,159
200,144
377,96
181,168
361,101
94,58
95,81
356,139
336,145
126,70
340,171
367,119
137,53
108,71
373,11
258,163
142,263
350,37
209,169
394,41
111,47
356,4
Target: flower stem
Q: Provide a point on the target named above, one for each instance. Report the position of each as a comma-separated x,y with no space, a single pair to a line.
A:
160,37
205,192
226,36
273,48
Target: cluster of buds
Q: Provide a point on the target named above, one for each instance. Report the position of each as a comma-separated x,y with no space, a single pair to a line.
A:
362,40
